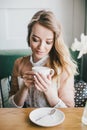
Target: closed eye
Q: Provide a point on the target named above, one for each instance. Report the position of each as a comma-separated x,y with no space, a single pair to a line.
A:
35,39
49,42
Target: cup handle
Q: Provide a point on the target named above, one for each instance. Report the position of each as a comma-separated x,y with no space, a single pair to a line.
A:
51,72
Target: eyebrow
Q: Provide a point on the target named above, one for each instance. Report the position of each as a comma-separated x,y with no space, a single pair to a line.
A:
40,38
35,36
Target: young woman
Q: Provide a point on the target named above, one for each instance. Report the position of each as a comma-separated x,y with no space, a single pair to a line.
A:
48,49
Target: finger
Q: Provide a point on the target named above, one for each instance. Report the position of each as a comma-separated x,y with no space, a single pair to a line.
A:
39,84
42,90
37,87
28,77
28,72
28,82
45,80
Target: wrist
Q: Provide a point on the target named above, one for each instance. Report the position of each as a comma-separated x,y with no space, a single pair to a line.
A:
60,104
24,88
55,102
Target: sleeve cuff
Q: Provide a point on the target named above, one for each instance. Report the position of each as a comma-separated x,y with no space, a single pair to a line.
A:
60,104
12,103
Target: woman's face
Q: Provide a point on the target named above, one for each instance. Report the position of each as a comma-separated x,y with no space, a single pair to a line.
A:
41,41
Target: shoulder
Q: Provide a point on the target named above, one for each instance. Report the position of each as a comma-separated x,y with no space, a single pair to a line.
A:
22,62
22,59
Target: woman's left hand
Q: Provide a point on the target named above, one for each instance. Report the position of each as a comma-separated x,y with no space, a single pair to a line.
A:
44,84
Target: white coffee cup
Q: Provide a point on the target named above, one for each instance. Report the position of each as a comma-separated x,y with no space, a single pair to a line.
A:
43,70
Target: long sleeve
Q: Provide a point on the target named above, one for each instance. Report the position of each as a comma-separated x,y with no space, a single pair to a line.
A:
14,81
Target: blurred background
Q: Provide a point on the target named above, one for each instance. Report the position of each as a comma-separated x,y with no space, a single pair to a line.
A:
16,14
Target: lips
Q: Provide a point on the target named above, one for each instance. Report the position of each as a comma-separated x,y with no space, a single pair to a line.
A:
39,52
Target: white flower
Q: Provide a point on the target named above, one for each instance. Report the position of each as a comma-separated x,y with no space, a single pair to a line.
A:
80,46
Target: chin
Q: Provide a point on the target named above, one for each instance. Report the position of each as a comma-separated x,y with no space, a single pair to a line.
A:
39,57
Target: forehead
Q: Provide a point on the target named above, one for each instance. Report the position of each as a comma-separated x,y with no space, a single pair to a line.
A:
42,31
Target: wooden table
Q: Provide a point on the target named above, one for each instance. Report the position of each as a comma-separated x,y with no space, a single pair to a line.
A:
17,119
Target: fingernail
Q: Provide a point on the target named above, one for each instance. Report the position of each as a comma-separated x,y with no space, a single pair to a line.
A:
34,76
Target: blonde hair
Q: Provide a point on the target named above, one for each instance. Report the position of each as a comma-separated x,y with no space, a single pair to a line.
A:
59,54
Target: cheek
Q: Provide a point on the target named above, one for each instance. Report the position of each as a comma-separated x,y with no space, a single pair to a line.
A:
50,48
33,46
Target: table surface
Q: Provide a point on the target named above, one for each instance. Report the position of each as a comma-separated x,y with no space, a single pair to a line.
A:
18,119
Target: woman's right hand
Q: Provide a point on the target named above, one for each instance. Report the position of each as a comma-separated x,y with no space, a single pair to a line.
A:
28,78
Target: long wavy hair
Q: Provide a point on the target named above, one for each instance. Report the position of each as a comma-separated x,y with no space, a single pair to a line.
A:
59,54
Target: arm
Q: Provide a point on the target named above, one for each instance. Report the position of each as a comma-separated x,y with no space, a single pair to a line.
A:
49,88
19,94
66,90
56,98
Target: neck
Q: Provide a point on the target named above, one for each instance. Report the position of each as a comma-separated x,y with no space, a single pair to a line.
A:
41,62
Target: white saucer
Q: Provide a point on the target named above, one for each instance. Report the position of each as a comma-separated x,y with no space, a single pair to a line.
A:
49,120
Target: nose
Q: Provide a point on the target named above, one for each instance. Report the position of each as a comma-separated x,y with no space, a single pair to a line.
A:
42,44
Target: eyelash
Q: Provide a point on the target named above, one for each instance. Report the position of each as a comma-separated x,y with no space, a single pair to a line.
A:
49,43
36,40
